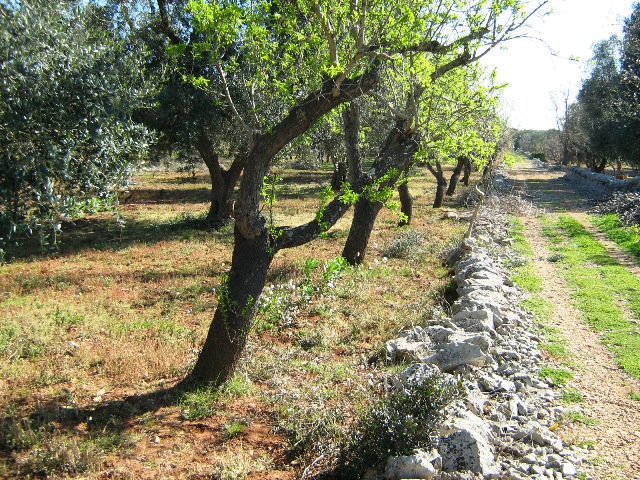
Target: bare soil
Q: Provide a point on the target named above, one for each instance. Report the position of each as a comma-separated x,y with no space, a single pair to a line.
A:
616,436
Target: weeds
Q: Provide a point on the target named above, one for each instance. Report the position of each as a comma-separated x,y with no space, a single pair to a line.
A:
408,244
579,417
397,424
199,402
571,395
559,376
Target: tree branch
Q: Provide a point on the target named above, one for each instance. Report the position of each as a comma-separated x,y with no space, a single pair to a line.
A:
174,38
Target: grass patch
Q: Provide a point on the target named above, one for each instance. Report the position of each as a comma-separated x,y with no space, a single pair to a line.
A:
571,395
634,396
559,376
599,283
526,278
628,238
579,417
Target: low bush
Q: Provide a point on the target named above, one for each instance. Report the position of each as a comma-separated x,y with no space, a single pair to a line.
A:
397,425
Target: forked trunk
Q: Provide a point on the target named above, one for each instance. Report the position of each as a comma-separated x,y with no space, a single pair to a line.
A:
236,309
406,204
223,183
364,217
453,181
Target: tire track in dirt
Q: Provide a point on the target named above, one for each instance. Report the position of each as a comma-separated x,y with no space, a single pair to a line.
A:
605,387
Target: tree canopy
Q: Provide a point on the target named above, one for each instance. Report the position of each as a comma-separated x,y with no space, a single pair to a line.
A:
66,134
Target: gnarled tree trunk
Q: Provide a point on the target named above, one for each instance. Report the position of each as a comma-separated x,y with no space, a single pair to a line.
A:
441,184
255,245
223,183
453,181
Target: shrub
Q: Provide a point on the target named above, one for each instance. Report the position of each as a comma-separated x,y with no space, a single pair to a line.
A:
408,244
397,425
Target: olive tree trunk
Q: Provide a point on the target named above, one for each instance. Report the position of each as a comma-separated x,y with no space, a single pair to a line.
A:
255,243
453,181
406,204
467,173
223,183
441,186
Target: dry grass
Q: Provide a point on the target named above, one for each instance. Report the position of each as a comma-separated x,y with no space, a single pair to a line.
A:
93,338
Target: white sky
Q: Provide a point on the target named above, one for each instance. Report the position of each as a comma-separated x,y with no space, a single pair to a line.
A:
534,74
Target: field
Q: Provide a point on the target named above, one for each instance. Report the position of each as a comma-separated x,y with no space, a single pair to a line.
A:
94,336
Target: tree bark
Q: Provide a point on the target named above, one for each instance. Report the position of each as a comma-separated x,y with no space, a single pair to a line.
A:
453,181
223,183
364,217
339,175
236,308
467,173
441,184
406,203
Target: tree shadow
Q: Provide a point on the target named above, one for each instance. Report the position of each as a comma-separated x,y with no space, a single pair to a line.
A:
110,418
105,234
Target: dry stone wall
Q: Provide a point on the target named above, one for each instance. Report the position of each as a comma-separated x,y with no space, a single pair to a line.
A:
504,429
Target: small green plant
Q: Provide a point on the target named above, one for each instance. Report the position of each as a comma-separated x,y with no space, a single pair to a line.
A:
64,318
408,244
559,376
579,417
233,429
199,402
397,425
634,396
571,395
587,444
238,386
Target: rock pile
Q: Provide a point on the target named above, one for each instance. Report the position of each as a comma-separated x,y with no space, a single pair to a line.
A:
504,427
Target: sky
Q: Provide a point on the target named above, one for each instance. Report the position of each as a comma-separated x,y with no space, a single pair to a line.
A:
536,71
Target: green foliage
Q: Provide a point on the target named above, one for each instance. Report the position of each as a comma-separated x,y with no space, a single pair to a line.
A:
397,424
559,376
65,117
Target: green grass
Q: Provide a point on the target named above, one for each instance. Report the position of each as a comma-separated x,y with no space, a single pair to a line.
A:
571,395
578,417
627,237
526,278
634,396
559,376
599,285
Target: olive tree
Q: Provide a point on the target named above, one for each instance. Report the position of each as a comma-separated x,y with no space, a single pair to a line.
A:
66,133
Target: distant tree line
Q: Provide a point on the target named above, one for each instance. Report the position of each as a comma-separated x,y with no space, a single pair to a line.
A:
602,126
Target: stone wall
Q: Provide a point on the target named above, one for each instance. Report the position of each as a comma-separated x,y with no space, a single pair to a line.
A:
601,184
504,429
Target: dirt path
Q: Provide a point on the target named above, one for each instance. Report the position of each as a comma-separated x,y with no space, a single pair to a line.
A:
606,388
